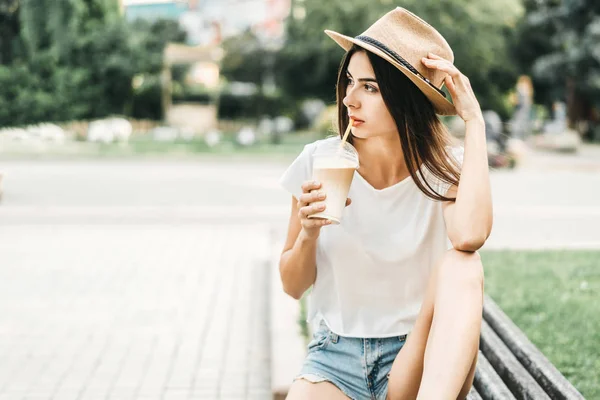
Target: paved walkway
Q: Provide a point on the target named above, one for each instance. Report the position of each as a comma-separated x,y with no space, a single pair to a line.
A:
134,312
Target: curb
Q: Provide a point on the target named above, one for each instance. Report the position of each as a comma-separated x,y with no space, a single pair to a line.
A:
287,343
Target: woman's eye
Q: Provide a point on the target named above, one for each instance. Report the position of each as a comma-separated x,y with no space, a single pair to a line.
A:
369,88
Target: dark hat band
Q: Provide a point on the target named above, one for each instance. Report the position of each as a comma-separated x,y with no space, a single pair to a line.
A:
396,57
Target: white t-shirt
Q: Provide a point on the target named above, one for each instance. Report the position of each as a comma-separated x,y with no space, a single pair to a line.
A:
372,268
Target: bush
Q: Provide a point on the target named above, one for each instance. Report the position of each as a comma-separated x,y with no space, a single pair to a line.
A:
251,106
87,75
147,99
195,94
326,123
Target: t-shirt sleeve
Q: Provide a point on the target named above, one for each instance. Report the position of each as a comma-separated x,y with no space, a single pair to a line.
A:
457,154
299,171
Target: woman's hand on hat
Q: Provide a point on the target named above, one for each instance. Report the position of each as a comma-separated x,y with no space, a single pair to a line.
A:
463,97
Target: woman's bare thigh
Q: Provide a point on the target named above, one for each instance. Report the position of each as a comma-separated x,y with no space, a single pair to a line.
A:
407,369
302,389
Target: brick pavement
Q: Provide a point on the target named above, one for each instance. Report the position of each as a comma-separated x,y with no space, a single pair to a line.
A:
134,312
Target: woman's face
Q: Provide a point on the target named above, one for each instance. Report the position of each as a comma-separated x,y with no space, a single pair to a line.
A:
363,100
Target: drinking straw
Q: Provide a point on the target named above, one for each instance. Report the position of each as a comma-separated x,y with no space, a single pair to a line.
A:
347,132
341,148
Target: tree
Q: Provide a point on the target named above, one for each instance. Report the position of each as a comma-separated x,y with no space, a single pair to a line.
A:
148,41
79,61
559,44
52,24
9,30
243,60
87,38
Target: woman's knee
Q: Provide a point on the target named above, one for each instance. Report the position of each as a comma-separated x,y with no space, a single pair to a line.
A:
461,266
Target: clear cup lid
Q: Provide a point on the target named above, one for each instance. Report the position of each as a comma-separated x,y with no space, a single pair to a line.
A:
335,150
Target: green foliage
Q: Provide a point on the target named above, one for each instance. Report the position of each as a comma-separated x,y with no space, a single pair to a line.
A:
244,59
251,106
247,60
146,103
147,41
40,92
559,42
52,24
9,30
80,61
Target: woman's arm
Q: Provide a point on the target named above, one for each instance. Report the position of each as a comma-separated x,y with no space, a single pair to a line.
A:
298,262
469,219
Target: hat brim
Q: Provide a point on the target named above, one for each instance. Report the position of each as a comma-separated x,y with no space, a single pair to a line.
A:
441,105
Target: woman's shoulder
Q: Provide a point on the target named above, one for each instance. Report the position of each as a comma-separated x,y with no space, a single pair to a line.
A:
301,168
312,147
323,142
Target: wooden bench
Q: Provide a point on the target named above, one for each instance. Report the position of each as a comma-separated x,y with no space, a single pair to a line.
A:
511,367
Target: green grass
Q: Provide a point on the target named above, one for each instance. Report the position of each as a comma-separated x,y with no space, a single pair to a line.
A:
140,146
554,298
290,144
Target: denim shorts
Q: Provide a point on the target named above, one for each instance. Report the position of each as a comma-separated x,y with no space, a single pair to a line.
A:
358,367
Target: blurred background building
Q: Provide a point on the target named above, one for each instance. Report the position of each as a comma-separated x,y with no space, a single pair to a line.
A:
211,21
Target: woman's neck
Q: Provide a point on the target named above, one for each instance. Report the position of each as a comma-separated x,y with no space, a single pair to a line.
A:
381,160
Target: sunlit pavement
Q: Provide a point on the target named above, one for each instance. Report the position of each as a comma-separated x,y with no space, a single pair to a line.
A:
550,202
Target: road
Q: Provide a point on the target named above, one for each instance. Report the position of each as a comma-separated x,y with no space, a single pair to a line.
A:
551,202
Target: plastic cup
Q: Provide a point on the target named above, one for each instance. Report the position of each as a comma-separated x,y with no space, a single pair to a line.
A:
333,166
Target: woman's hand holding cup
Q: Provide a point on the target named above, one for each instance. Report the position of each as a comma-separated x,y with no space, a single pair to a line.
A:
312,202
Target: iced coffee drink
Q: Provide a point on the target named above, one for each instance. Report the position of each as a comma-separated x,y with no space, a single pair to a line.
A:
334,166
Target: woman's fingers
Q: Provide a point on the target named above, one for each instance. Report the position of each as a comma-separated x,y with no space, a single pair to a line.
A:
435,56
305,212
310,202
451,87
442,65
307,198
310,185
307,189
316,222
311,209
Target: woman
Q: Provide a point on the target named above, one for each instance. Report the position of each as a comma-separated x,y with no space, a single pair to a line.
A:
404,258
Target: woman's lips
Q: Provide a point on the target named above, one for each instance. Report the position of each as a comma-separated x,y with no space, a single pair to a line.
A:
357,122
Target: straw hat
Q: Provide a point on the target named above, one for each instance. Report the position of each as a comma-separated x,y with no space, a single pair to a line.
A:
402,38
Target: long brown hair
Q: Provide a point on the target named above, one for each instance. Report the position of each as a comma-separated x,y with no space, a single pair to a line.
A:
422,135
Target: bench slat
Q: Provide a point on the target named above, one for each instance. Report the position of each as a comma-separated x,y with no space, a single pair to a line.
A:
473,395
488,383
516,377
546,374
